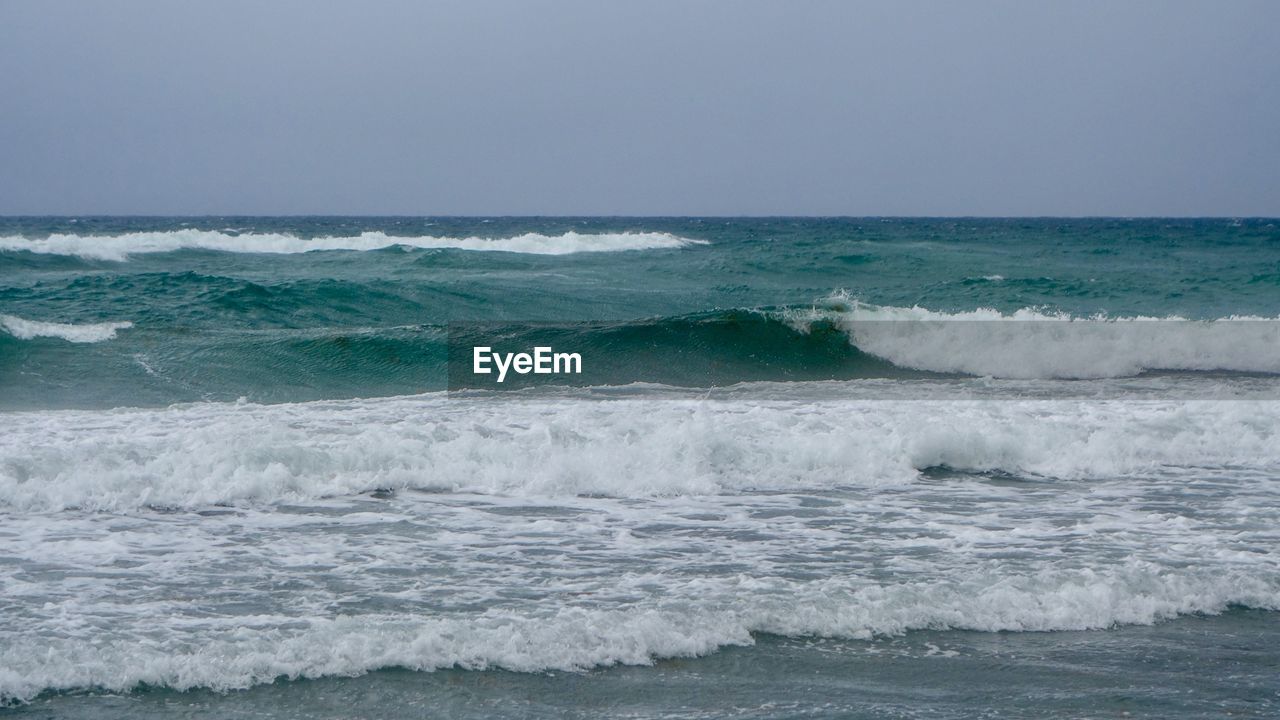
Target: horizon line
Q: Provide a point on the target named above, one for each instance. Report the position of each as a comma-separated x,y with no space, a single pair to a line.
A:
4,216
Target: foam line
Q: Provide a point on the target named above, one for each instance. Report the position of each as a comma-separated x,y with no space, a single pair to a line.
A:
120,247
89,333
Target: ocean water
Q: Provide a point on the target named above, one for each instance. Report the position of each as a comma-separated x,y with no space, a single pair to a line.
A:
827,468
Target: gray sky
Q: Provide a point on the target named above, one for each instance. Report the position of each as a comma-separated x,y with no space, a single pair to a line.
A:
697,107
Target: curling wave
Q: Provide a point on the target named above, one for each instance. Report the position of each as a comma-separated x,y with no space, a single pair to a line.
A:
1031,344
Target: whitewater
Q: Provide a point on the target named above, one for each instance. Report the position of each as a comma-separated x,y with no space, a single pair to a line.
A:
651,441
121,247
626,502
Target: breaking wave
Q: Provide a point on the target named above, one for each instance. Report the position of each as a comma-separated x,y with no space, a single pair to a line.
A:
643,446
1031,344
728,612
120,247
89,333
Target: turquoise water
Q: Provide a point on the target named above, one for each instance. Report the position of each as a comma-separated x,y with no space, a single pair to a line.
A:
216,325
812,468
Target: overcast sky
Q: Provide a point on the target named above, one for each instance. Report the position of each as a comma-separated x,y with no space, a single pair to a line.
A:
695,107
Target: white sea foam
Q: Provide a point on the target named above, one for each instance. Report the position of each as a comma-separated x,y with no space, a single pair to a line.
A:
89,333
696,618
616,526
120,247
634,447
1032,344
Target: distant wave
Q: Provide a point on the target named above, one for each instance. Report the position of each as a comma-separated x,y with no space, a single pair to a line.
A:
120,247
90,333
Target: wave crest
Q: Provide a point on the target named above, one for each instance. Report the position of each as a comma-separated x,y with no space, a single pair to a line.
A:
580,638
1031,344
91,333
120,247
652,445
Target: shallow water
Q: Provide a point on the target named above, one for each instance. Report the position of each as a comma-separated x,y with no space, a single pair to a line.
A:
1192,667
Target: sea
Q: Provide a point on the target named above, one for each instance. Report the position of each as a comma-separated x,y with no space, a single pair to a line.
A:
811,468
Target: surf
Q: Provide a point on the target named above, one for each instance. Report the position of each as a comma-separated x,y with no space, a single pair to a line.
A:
24,329
651,442
125,245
